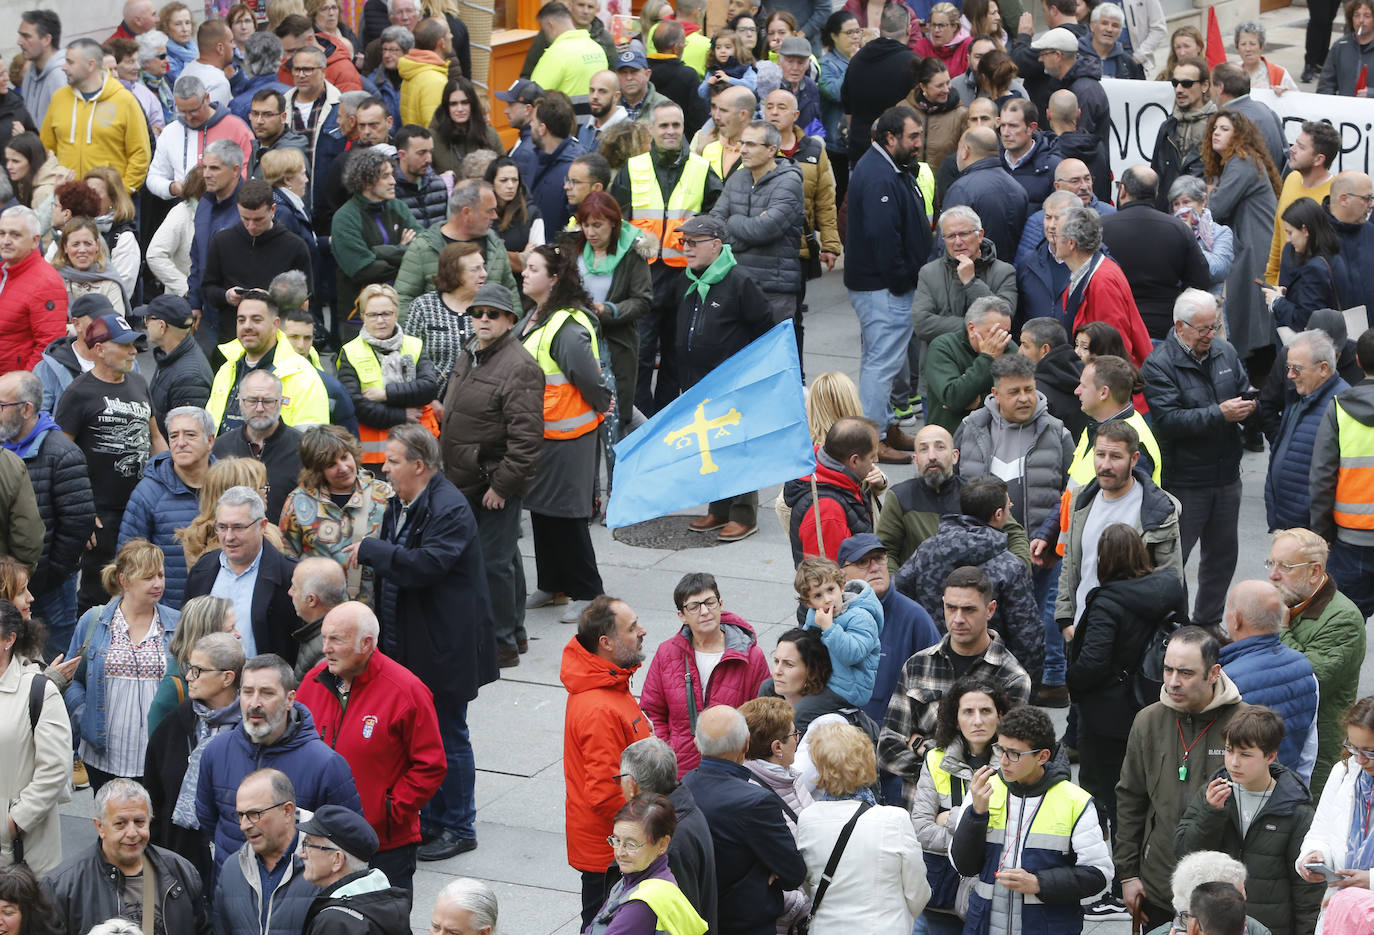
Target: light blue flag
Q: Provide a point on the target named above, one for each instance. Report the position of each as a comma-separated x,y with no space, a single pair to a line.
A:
743,427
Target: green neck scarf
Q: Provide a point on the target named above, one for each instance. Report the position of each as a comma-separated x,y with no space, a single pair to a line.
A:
606,266
702,283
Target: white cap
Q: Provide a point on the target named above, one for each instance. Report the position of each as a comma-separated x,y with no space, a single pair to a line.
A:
1057,39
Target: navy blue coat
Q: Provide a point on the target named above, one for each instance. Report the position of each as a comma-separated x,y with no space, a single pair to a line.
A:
242,102
321,776
546,183
238,898
989,189
752,843
432,593
390,94
1357,246
1287,491
159,506
212,216
1280,678
1040,282
888,238
274,616
1316,283
1035,173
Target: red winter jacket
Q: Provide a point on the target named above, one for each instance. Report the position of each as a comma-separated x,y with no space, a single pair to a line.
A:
390,738
1108,298
33,311
735,680
601,720
339,69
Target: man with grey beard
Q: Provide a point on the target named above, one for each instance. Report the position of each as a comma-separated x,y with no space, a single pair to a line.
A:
277,732
912,510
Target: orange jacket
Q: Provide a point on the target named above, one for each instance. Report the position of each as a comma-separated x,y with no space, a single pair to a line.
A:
601,720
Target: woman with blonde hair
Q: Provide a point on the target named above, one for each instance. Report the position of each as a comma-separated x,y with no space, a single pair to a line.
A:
278,10
116,223
199,535
83,263
831,397
200,616
122,653
285,170
14,587
174,19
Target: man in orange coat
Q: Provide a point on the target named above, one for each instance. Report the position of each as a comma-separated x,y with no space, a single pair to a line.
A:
601,720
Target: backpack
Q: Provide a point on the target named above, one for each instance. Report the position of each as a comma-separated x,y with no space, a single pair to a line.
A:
36,688
1148,678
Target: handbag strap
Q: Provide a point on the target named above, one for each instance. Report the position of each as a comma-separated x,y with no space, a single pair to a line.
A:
149,895
834,862
691,695
1335,286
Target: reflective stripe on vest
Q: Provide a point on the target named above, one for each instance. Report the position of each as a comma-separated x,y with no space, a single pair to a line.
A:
944,784
647,208
1355,478
566,413
1048,842
363,359
1082,472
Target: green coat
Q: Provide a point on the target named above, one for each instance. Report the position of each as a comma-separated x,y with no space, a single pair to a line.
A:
1329,631
421,263
360,255
957,378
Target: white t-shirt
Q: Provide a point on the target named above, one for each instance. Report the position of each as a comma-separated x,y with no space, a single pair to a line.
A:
1102,514
706,664
213,78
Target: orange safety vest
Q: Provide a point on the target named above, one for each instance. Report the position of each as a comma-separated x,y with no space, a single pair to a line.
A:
1354,507
566,413
648,211
369,370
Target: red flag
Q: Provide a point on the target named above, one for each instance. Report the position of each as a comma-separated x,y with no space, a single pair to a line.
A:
1363,81
1216,48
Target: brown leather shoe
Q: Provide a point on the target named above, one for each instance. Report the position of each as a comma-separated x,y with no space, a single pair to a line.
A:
890,455
706,523
734,532
508,659
898,439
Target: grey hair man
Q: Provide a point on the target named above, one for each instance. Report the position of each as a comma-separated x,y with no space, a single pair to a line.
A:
748,828
464,906
471,214
650,765
318,585
958,366
1310,366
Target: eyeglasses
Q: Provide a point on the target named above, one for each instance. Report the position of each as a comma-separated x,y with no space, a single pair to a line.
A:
697,241
377,316
317,847
305,70
259,402
571,182
4,406
854,31
1270,565
696,607
256,816
794,734
1184,82
1181,921
480,313
1367,199
619,845
877,558
1013,756
1078,180
195,672
1205,329
1297,368
1355,751
237,529
161,55
952,236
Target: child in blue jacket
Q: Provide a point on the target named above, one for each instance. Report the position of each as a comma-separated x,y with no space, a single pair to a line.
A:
850,619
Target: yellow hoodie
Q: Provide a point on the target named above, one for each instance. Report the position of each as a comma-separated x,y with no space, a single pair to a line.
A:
423,76
109,131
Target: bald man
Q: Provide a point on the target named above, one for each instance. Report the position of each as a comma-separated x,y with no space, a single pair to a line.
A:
603,102
818,179
139,17
1073,176
318,585
985,185
912,509
1352,196
731,112
381,719
1062,113
1269,673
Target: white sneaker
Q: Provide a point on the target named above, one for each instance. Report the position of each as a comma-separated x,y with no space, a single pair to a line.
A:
539,598
573,611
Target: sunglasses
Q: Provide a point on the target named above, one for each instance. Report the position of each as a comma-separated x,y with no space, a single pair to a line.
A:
1184,82
491,313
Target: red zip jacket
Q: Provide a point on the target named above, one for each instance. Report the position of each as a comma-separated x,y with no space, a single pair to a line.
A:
390,739
601,720
735,679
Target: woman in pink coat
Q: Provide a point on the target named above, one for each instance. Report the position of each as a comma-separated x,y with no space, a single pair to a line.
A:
714,659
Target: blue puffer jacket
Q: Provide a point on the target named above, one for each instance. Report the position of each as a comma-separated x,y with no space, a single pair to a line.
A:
389,93
85,696
546,182
320,775
1287,491
1279,677
1357,246
238,897
855,643
159,506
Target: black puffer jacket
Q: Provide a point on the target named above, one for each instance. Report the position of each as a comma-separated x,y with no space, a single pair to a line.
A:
493,419
1118,618
427,199
1199,447
1269,849
183,378
57,469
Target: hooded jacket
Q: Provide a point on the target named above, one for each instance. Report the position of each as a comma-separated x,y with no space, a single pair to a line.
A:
361,903
763,223
1000,201
39,85
600,721
1269,848
546,183
1344,63
854,642
239,896
62,492
1158,782
1287,484
179,148
212,216
878,77
1084,79
321,776
1039,450
963,540
423,76
57,369
1358,403
109,131
1056,377
673,673
1118,63
289,139
33,311
301,384
159,506
238,258
844,510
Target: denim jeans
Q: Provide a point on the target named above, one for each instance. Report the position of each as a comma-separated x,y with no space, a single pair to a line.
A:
57,609
1046,583
1352,568
454,806
884,333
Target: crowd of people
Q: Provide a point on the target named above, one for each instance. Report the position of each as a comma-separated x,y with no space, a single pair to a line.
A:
379,335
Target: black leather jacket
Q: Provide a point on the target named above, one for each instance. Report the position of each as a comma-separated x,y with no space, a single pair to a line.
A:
87,889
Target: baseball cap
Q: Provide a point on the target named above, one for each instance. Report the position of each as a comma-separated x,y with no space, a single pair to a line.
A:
1057,39
632,57
704,225
493,295
91,305
113,328
795,45
521,91
172,309
344,828
856,547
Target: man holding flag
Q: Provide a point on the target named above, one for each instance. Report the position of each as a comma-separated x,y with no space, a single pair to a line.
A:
722,312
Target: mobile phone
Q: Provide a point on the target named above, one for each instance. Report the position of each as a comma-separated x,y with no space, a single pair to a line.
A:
1262,284
1249,395
1323,871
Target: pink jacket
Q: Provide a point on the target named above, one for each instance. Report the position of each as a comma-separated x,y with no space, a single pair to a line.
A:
735,680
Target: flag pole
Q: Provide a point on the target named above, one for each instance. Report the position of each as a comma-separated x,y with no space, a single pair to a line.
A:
816,507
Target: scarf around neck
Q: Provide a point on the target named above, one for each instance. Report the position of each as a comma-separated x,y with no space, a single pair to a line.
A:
607,265
1192,124
396,367
208,724
702,283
